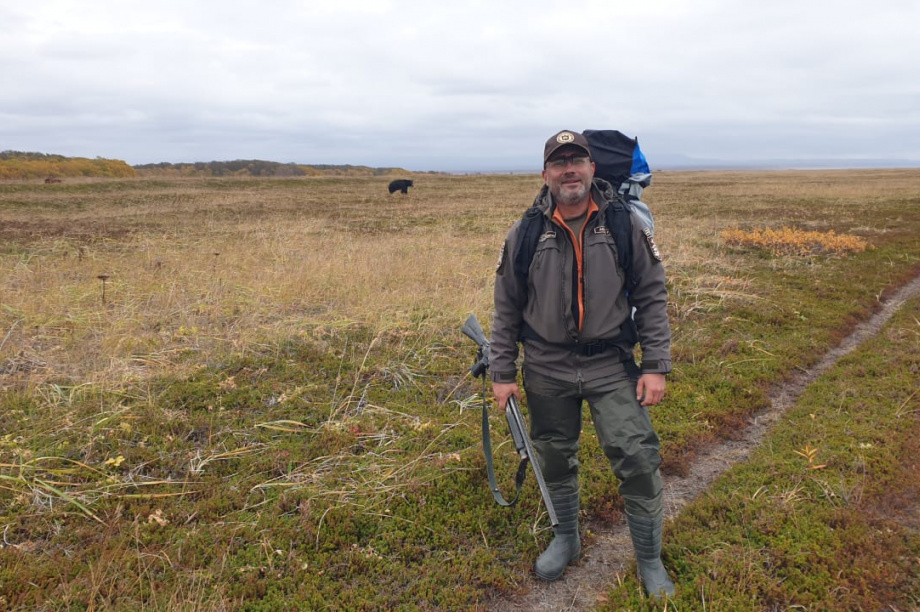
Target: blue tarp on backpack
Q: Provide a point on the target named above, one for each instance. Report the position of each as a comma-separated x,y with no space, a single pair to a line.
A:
639,164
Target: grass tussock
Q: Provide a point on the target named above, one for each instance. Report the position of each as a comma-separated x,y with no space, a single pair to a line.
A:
270,408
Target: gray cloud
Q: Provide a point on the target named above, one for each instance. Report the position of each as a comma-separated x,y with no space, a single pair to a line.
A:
471,86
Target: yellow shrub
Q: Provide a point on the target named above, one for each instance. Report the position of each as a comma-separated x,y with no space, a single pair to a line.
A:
791,241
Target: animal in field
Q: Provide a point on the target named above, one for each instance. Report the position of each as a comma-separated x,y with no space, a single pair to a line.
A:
401,185
52,179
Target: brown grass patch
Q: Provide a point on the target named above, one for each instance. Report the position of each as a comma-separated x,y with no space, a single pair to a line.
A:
792,241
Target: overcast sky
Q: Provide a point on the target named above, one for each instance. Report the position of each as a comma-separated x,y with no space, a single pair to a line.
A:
458,86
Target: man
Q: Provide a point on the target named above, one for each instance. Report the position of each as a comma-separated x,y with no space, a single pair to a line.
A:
575,320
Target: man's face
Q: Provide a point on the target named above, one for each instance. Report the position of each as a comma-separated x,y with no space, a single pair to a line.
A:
569,183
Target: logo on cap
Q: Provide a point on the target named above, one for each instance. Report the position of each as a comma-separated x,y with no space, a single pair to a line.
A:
565,137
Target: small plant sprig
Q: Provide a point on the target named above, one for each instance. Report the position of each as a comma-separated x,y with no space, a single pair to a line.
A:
810,454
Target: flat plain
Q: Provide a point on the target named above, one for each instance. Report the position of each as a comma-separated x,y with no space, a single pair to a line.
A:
252,394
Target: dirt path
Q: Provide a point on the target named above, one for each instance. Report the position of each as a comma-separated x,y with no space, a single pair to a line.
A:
610,551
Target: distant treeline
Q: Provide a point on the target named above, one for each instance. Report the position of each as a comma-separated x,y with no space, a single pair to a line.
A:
21,165
256,167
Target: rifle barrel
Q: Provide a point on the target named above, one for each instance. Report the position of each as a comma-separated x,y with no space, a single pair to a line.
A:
534,463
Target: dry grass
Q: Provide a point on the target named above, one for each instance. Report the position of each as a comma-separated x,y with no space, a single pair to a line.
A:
204,265
198,269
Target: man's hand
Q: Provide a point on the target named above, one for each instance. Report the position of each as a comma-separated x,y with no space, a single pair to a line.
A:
503,391
650,389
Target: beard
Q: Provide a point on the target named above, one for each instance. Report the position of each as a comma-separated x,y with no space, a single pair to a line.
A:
569,195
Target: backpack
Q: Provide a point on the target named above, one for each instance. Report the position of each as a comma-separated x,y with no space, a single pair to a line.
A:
619,161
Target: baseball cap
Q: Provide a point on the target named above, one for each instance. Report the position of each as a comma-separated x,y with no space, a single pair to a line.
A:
563,138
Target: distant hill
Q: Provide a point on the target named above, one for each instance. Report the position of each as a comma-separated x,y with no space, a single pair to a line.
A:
257,167
28,165
25,165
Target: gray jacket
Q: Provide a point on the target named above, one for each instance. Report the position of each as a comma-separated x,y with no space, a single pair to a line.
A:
545,304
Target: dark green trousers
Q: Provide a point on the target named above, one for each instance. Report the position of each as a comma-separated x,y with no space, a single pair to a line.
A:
624,431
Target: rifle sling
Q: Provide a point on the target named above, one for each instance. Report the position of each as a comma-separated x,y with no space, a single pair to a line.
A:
487,451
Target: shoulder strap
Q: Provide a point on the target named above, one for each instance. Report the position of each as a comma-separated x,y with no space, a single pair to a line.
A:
528,237
619,222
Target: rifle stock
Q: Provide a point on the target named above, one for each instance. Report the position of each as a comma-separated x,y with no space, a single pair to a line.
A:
472,329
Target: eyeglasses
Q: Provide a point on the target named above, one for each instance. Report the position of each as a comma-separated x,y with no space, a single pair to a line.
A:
562,162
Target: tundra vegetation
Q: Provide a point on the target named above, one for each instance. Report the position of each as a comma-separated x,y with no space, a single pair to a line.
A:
270,409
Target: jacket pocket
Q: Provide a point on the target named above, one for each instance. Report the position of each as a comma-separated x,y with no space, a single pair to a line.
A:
606,307
601,263
549,301
547,249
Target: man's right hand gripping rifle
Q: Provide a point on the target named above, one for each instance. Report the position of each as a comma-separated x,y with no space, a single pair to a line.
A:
507,395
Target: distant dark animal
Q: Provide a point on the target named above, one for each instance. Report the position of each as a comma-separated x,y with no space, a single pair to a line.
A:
52,179
400,185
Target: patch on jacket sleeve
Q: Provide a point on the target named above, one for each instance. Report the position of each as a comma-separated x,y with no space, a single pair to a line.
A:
650,240
501,259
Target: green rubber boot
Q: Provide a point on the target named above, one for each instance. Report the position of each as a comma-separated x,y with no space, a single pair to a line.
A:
646,537
566,545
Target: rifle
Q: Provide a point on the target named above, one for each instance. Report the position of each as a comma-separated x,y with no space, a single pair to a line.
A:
516,424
